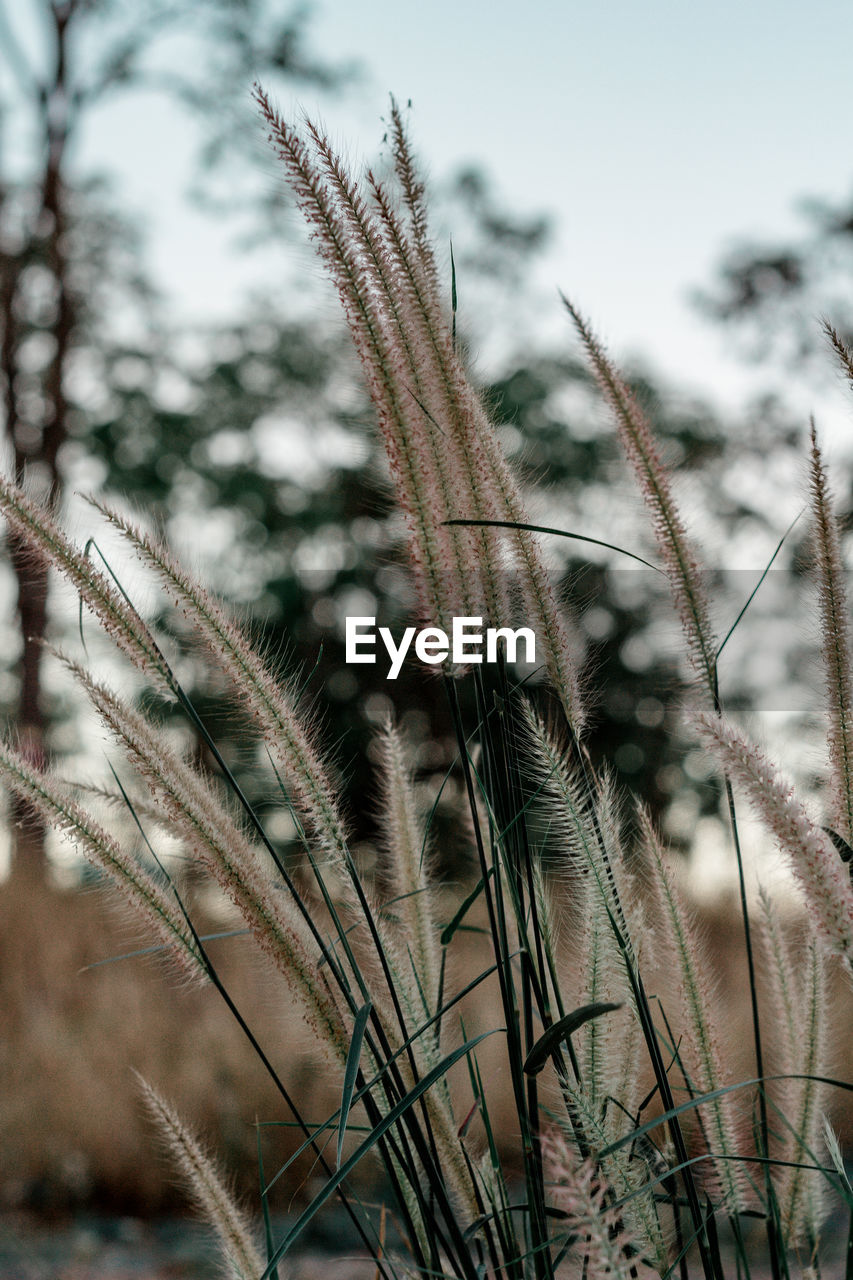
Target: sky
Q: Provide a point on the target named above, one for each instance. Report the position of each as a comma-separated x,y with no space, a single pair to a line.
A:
656,135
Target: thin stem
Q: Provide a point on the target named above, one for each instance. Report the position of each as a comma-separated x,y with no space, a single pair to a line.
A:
764,1130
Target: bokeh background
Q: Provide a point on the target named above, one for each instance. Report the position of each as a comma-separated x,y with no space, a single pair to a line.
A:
167,338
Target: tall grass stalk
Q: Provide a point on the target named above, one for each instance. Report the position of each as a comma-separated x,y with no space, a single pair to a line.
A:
629,1151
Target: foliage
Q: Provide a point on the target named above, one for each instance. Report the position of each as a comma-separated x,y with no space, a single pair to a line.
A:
772,291
69,263
609,1174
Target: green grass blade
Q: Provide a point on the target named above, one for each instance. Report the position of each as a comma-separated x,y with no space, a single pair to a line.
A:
265,1208
450,929
387,1122
562,1030
454,299
160,948
560,533
699,1101
755,589
351,1072
320,1129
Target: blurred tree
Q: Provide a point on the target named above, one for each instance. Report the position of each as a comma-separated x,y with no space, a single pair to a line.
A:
256,436
62,249
273,452
274,456
771,294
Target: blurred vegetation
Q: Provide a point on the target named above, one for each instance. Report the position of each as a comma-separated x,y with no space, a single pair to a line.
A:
770,293
255,441
301,546
70,263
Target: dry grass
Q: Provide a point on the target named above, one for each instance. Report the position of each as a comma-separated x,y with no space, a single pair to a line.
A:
71,1125
72,1130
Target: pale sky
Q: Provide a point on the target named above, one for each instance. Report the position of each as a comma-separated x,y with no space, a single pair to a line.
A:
656,134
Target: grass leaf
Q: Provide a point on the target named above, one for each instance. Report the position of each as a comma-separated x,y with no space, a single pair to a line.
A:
562,1030
351,1072
560,533
387,1122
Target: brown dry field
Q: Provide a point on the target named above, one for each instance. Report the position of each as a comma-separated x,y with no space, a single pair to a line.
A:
72,1135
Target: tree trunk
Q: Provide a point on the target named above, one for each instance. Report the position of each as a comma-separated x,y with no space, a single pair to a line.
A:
37,436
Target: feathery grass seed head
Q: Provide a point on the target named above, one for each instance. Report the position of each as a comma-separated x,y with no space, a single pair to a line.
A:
835,633
643,453
821,874
206,1186
147,896
40,532
288,736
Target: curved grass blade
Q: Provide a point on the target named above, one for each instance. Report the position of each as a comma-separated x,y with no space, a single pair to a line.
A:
700,1101
845,853
320,1129
91,543
755,589
454,298
449,929
562,1030
387,1122
160,948
265,1203
660,1179
351,1072
561,533
478,1223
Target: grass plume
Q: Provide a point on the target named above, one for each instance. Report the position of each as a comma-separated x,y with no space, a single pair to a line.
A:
676,552
207,1187
814,860
835,632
